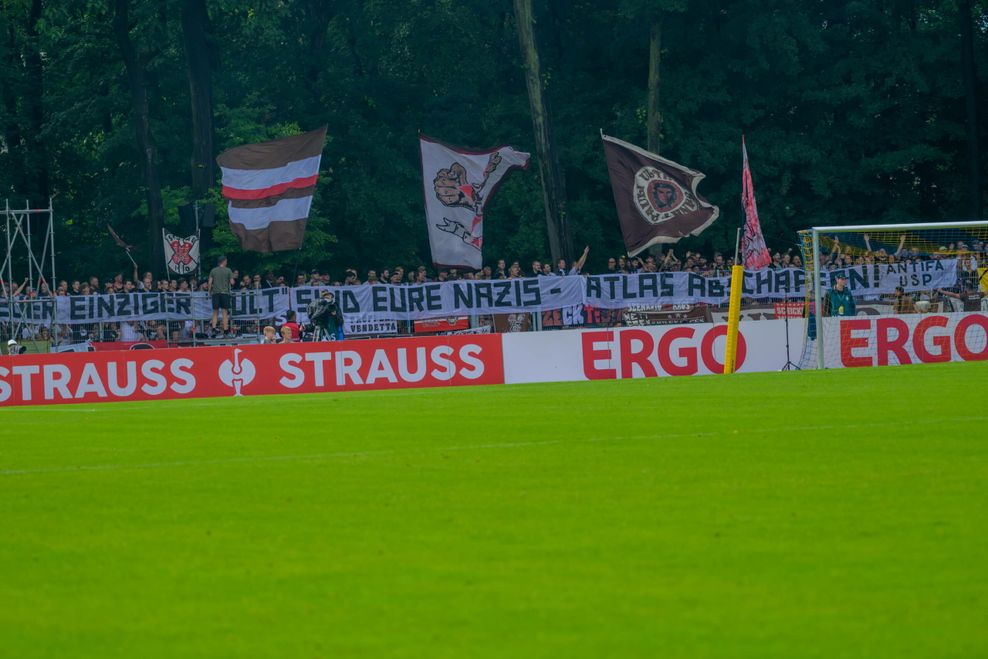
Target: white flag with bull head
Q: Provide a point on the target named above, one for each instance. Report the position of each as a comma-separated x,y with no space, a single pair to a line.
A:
458,185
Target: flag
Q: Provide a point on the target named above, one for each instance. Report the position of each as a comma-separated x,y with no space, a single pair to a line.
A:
656,199
181,254
118,240
754,253
122,244
269,186
458,186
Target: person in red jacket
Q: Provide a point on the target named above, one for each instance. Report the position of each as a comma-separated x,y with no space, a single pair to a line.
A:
292,326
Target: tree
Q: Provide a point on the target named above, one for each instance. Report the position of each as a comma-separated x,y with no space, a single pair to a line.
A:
553,180
195,33
39,187
970,76
141,118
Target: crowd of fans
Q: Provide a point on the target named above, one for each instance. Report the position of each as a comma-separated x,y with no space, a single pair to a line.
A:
835,255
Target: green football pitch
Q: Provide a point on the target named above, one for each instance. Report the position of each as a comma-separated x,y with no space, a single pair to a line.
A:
821,514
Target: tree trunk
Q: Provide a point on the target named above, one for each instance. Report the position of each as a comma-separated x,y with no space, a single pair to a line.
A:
653,123
36,152
10,118
553,182
195,34
142,127
318,14
970,76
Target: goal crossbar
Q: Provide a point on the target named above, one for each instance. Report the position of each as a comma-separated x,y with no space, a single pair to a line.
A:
860,228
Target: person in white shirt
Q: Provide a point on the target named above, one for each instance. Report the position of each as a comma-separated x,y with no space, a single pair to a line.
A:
129,333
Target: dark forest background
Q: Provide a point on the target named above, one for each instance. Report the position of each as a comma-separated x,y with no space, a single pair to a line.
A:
854,111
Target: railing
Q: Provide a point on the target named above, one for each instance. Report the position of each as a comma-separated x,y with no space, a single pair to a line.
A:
183,318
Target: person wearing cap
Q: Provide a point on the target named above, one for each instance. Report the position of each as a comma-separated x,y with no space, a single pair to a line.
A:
13,348
325,316
839,301
218,285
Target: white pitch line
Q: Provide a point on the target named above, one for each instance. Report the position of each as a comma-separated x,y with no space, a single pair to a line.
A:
301,457
317,457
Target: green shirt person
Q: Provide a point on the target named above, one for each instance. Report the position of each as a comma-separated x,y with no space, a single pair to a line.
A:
839,301
219,287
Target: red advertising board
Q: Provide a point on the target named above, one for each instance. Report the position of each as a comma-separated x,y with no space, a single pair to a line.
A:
251,370
435,325
912,339
642,352
126,345
789,309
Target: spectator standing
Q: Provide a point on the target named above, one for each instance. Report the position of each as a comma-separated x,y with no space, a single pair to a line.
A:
904,302
839,301
218,285
580,262
295,332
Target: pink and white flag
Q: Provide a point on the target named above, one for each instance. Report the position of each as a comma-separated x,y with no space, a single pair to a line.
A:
458,185
754,252
270,186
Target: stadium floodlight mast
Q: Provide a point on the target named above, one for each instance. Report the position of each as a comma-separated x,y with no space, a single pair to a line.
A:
929,238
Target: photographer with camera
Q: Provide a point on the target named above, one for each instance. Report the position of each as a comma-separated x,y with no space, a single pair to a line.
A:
325,316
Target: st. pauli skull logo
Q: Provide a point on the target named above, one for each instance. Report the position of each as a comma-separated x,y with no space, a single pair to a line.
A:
659,197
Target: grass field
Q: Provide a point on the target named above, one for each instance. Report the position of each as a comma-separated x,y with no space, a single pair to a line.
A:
820,514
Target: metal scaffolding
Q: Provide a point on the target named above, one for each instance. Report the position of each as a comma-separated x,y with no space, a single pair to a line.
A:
30,252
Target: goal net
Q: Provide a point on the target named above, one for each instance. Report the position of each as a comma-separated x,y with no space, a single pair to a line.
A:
895,294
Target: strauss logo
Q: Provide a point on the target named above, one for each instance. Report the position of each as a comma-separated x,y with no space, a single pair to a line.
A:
237,373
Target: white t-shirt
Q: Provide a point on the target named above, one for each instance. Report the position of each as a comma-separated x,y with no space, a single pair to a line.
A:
128,332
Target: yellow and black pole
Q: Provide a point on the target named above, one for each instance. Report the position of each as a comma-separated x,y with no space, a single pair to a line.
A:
734,311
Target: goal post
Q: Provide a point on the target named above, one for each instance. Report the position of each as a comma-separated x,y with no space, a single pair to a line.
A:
895,293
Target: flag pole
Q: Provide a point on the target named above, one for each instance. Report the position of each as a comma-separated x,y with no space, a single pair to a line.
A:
737,283
734,311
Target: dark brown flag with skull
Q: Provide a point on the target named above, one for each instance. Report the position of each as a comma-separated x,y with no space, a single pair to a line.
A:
656,199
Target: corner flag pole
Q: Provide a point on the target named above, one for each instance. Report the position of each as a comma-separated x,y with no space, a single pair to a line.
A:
734,310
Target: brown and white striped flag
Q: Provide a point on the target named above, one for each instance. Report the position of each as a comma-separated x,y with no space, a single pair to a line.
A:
269,186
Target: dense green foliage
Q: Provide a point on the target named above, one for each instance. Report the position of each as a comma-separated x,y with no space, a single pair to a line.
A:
853,111
594,519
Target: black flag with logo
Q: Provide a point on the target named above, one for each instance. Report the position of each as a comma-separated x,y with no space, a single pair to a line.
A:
656,199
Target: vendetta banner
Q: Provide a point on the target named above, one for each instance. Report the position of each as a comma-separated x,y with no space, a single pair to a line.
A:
270,186
656,199
458,185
